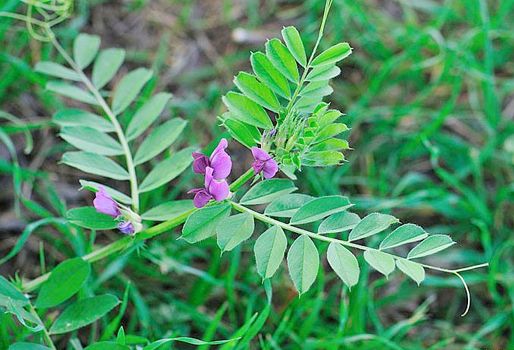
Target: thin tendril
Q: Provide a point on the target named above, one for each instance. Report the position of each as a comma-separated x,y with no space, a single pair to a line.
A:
468,295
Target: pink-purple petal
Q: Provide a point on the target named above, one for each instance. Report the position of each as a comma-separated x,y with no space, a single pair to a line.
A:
126,227
260,154
218,189
222,145
200,162
202,197
264,163
208,176
270,169
220,161
104,203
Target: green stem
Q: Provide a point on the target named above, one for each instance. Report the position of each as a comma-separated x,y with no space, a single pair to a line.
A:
126,242
117,127
241,180
291,103
46,334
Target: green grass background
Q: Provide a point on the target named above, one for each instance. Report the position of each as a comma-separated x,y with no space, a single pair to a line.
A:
429,95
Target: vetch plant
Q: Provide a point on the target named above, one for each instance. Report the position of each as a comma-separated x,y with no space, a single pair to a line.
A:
278,113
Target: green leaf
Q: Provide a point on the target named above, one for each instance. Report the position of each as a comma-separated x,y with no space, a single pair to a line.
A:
322,158
411,269
372,224
95,164
382,262
203,222
167,170
257,91
115,194
107,345
266,191
85,48
330,131
323,73
71,91
77,117
316,90
332,54
168,210
331,145
234,230
269,75
329,117
282,59
106,66
83,312
344,263
319,208
247,135
286,206
269,251
404,234
160,138
65,280
91,140
27,346
295,45
431,245
246,110
56,70
9,292
89,218
339,222
128,88
303,263
147,114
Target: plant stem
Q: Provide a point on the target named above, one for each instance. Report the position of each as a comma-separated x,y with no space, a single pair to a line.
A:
291,103
126,242
117,127
241,180
46,335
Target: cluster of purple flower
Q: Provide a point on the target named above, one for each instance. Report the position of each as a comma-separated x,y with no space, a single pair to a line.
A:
217,167
216,170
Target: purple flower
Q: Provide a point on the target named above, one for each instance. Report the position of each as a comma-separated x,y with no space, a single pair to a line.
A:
104,203
264,163
214,189
219,161
126,227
